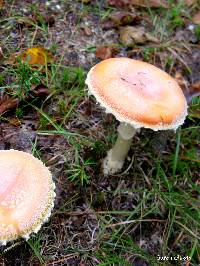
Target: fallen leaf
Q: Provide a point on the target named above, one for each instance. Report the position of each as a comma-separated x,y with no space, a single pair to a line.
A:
37,56
15,121
87,31
183,83
119,3
180,79
189,2
7,103
40,90
195,89
120,18
32,56
186,35
105,52
142,3
108,25
189,91
129,36
196,18
1,4
50,20
150,3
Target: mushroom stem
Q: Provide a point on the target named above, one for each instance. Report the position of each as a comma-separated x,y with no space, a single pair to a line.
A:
115,157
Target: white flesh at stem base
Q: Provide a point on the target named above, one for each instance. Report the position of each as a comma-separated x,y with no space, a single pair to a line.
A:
114,160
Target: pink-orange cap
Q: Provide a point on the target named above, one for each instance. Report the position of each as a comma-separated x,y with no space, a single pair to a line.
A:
26,194
138,93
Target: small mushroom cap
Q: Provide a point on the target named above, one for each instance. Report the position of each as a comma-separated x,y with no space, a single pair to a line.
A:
26,194
138,93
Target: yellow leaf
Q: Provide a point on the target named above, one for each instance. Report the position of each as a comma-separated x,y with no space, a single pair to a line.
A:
36,56
32,56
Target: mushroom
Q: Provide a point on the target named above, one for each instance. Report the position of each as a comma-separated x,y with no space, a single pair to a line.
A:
139,95
26,195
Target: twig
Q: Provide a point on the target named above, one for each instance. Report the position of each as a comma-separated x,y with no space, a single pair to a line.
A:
135,221
67,257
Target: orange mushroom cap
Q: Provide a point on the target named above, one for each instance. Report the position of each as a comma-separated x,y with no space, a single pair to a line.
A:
138,93
26,194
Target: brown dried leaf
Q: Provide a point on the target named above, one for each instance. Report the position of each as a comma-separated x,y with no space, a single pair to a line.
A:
87,31
7,103
189,91
150,3
196,18
40,90
180,79
50,20
183,83
32,56
195,89
1,4
129,36
105,52
119,3
108,25
120,18
189,2
15,121
142,3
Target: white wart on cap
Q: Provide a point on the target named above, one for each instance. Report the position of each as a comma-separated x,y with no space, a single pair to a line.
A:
138,93
26,195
